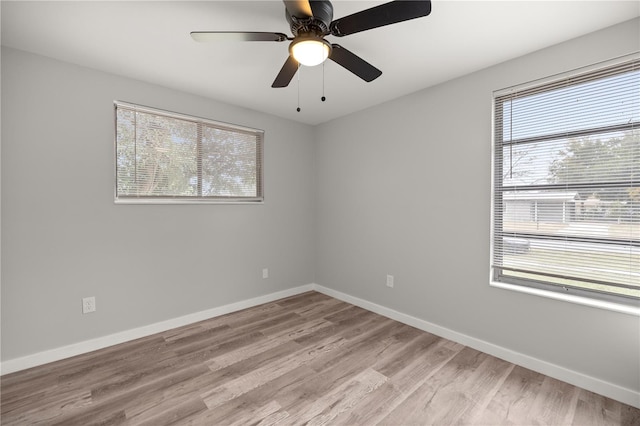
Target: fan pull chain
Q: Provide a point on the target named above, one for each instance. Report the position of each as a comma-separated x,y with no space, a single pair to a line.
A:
298,109
323,97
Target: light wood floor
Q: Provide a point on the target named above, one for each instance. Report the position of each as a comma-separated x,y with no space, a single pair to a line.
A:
307,359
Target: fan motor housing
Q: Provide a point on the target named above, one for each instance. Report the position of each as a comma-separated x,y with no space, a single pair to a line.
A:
318,24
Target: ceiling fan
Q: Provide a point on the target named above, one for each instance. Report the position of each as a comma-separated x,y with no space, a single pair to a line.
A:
311,21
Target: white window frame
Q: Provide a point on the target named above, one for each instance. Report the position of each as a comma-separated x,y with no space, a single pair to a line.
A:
195,199
627,305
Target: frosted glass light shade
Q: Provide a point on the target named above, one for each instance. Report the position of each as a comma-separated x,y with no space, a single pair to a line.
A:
310,52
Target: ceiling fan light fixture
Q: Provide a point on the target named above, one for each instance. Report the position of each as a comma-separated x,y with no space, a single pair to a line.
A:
310,51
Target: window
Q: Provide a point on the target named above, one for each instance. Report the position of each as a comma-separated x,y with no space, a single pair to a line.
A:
166,157
566,184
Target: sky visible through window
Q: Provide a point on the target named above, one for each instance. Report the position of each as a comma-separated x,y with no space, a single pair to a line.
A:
585,106
588,105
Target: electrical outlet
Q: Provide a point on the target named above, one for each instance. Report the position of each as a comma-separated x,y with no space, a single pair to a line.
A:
390,281
265,273
88,304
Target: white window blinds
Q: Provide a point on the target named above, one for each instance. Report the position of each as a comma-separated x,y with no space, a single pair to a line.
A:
566,206
168,157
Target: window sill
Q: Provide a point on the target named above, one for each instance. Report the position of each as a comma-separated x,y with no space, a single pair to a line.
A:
185,201
601,304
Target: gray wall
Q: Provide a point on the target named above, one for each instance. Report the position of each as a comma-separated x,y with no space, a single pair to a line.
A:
404,189
63,238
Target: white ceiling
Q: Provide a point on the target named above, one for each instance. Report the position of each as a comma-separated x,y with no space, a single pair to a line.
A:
150,41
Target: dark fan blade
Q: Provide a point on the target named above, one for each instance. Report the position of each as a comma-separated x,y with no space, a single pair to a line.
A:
286,73
236,36
298,8
379,16
354,63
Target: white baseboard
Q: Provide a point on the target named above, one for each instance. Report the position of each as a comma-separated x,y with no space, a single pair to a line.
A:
613,391
627,396
63,352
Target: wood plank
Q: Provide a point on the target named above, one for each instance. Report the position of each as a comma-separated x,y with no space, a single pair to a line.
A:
149,396
292,332
512,401
262,375
402,384
552,403
441,399
595,409
340,399
239,409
